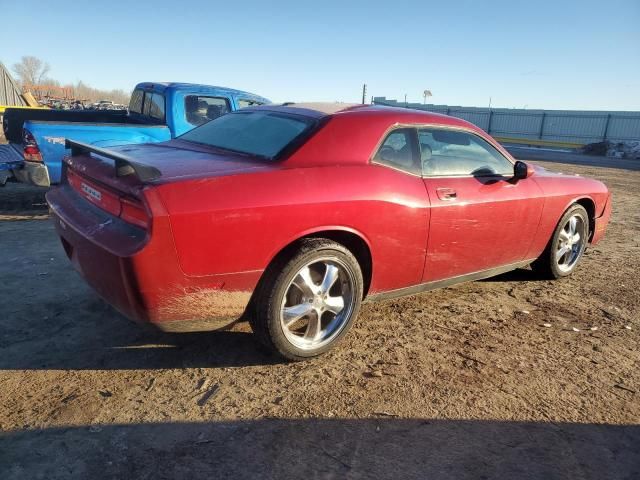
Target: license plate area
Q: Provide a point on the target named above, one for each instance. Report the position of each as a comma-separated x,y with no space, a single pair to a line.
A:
94,193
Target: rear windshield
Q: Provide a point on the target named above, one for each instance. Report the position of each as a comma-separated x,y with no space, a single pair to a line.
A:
148,104
135,104
259,133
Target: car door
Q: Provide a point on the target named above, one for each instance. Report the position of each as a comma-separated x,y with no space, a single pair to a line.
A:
481,217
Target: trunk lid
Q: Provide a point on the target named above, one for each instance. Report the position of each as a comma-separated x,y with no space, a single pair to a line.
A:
180,160
128,167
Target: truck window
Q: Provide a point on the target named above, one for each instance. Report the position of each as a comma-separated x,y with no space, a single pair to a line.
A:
147,104
243,103
156,110
199,110
135,105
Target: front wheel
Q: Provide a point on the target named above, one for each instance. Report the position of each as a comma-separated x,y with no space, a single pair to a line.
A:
567,245
307,302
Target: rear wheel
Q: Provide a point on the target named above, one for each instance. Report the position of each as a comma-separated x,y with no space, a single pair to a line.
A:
567,245
306,303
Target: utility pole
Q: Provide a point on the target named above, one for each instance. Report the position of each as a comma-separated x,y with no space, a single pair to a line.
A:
364,93
405,99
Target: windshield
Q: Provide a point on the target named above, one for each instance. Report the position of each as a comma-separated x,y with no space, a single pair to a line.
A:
260,133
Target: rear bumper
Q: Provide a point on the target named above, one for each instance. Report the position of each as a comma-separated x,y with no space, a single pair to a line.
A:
602,222
34,173
138,273
5,173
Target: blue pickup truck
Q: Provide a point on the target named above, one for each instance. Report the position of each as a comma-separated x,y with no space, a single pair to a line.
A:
157,112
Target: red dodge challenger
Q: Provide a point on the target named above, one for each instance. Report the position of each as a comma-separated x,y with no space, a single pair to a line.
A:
291,216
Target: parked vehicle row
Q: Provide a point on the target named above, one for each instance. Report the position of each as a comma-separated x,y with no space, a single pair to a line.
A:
291,216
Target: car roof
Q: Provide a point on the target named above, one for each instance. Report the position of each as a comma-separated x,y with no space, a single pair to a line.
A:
359,111
322,107
349,134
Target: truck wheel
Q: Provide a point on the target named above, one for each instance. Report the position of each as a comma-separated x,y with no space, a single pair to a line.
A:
567,245
307,302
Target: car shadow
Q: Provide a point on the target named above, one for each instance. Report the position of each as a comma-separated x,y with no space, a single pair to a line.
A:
380,448
108,341
88,334
517,275
52,320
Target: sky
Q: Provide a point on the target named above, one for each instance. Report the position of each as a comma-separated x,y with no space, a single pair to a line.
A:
561,54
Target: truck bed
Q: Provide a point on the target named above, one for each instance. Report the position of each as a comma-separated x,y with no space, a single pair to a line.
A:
51,136
157,113
14,118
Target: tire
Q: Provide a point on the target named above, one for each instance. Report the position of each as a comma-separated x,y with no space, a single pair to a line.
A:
552,264
295,315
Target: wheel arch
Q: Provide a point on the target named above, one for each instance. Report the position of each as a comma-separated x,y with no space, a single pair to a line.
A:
353,240
543,263
590,206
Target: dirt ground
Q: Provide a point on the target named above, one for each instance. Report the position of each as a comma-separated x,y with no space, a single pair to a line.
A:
465,382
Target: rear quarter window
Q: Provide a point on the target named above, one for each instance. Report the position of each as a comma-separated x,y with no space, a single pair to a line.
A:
398,150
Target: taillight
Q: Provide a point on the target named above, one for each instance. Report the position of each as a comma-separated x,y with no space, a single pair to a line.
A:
127,209
31,152
27,137
134,213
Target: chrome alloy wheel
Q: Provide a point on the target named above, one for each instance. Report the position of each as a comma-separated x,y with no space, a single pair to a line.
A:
317,303
571,242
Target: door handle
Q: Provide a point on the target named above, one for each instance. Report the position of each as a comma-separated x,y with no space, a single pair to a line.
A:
446,193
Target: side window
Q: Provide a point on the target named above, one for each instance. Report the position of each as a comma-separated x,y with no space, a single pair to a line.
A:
156,109
399,151
455,153
135,104
242,103
200,110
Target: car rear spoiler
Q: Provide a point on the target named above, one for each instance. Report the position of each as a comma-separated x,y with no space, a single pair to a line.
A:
124,165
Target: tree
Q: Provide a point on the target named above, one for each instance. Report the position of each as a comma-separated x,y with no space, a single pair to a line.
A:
31,70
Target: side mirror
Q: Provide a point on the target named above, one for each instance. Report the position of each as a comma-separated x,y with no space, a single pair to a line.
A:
521,170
